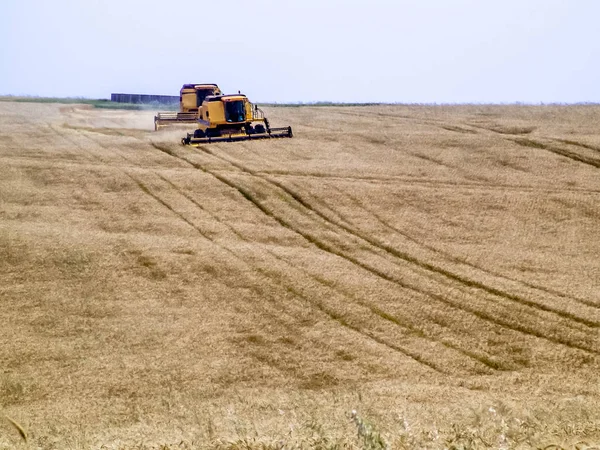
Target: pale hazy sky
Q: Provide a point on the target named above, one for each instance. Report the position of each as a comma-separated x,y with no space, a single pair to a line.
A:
407,51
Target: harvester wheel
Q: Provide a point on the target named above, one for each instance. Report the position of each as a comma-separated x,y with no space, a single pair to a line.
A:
259,129
199,133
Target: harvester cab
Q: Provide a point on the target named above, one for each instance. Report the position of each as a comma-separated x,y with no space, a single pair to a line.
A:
191,97
232,118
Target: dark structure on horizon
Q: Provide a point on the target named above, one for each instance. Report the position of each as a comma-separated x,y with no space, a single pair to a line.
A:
145,99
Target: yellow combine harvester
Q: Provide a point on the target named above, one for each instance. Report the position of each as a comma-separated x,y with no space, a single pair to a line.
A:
232,118
191,97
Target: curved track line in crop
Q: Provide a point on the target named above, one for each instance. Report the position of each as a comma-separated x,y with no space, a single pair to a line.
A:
440,162
433,184
414,260
328,311
427,183
467,281
432,122
474,283
578,144
340,319
482,315
533,143
469,284
74,156
473,355
508,130
448,273
333,315
527,142
411,327
455,259
138,182
457,129
480,358
156,197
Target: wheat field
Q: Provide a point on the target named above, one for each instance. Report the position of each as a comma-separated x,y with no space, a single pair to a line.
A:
393,276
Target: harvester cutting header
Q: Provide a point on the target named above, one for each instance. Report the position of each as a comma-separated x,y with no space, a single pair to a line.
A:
232,118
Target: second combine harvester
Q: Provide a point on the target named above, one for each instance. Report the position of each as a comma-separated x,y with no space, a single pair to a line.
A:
191,97
232,118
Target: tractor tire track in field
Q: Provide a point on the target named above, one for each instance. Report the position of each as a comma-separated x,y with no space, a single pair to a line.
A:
338,317
259,291
514,134
278,309
416,261
582,342
248,195
553,335
436,123
456,260
432,268
515,131
333,315
479,357
561,151
579,144
44,136
410,327
427,183
465,280
539,144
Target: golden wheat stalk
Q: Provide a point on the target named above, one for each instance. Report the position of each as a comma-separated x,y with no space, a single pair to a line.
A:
18,427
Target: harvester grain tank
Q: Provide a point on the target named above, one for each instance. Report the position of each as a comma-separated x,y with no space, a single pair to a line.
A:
232,118
191,97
